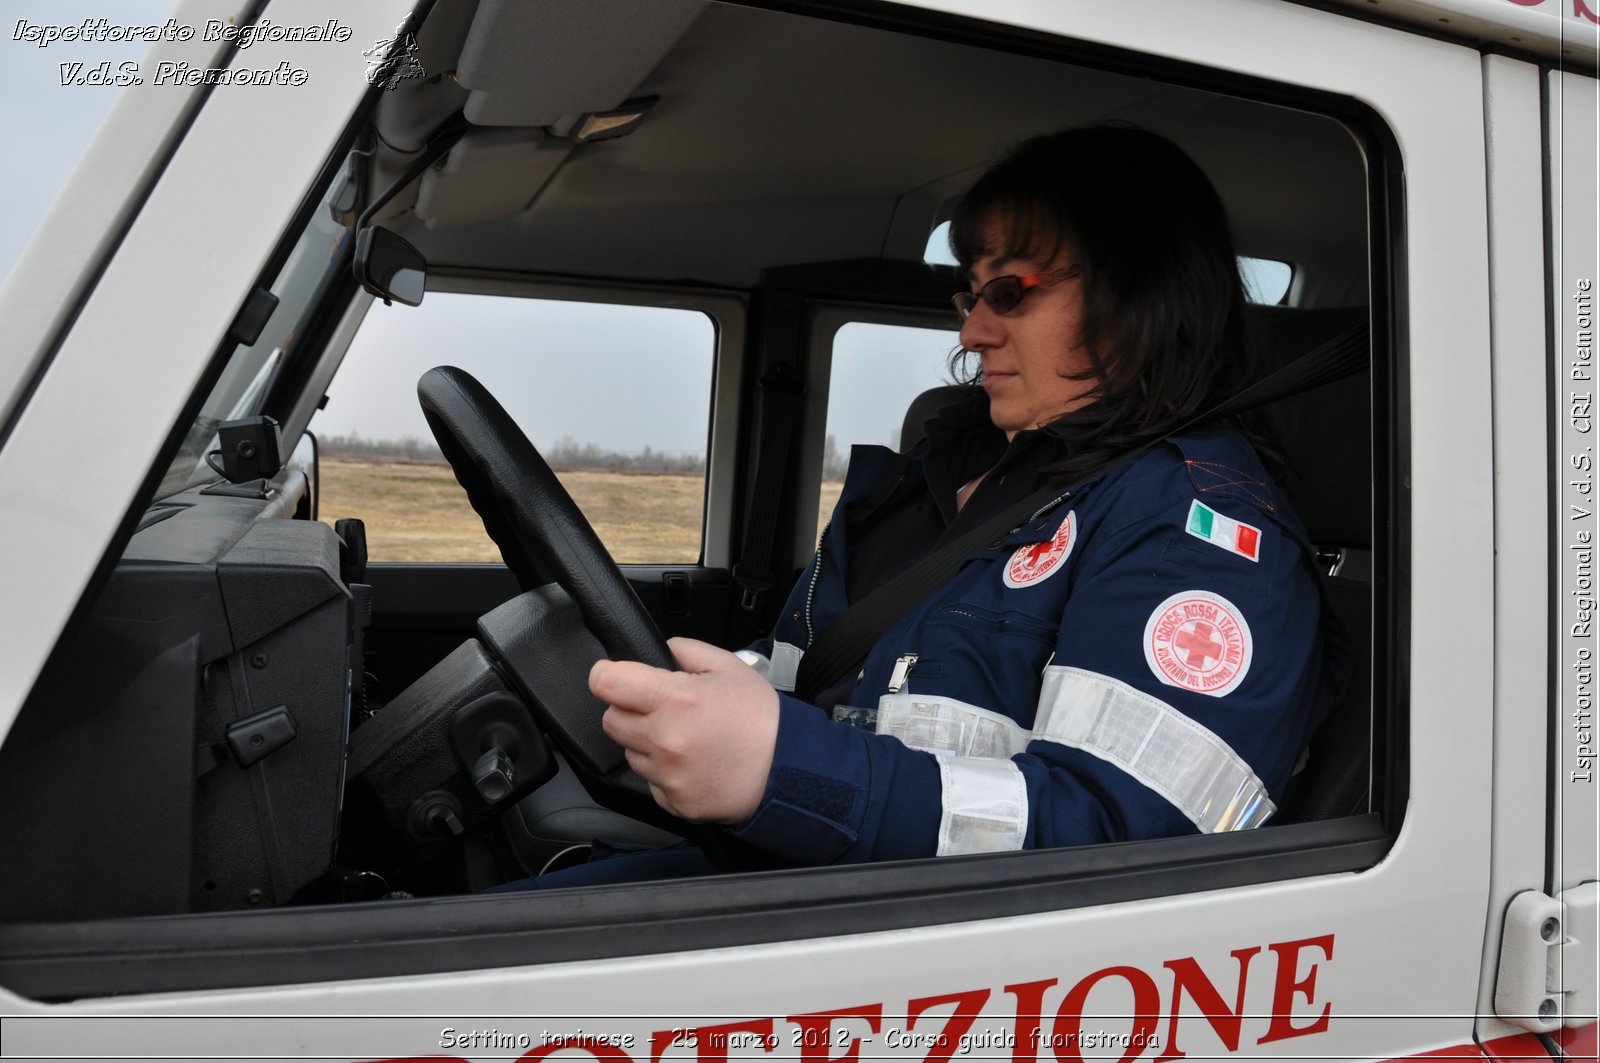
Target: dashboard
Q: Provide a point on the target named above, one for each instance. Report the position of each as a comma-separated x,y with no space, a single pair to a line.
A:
190,736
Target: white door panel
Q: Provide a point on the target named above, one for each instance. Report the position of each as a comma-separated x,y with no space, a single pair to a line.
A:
1378,1002
1575,269
1516,241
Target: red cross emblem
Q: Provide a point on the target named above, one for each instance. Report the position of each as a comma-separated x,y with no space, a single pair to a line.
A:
1030,564
1195,642
1198,641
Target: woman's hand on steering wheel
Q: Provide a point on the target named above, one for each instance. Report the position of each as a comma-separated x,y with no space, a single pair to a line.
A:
702,737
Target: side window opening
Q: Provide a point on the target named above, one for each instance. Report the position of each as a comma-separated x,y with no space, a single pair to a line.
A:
1266,281
616,397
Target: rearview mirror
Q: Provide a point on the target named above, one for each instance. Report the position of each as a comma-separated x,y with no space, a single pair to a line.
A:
389,267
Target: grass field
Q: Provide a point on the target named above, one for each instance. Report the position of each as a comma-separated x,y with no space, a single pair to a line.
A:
415,511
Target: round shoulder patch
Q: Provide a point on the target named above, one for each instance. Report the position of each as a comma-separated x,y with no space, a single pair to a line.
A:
1198,641
1033,563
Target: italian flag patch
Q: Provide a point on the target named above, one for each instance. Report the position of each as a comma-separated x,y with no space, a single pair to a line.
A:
1233,536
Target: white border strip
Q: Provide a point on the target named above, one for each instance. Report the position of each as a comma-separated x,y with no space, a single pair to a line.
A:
985,806
1165,750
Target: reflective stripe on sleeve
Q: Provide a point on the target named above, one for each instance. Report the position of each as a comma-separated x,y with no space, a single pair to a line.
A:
949,727
985,806
780,669
1161,747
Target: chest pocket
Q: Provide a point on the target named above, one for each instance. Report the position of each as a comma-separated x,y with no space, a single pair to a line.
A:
991,624
984,657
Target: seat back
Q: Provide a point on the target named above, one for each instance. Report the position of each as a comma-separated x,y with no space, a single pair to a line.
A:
922,409
1328,451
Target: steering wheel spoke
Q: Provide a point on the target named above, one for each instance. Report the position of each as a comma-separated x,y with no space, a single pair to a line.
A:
545,539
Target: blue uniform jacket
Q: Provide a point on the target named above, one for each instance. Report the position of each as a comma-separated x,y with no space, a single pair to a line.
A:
1143,659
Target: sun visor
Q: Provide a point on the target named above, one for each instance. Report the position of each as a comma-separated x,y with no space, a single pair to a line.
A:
533,62
414,108
489,175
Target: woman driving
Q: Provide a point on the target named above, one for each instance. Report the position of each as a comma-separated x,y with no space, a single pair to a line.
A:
1141,655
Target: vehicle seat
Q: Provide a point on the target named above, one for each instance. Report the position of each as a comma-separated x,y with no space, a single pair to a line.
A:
1328,450
922,410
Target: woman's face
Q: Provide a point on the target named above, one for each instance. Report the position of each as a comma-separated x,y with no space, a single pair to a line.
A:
1031,354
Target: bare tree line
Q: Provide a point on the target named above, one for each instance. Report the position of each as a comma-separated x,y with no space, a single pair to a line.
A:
566,454
833,462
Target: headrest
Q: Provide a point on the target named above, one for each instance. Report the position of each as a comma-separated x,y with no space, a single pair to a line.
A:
922,410
1328,431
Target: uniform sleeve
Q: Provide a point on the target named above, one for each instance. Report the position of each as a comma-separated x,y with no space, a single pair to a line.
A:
1185,682
1177,700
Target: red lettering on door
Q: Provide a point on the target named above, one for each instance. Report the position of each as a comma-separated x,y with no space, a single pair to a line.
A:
968,1004
816,1034
1188,977
1067,1035
1287,986
1030,1010
601,1050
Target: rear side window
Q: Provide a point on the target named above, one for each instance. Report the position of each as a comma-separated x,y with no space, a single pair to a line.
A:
877,370
1266,280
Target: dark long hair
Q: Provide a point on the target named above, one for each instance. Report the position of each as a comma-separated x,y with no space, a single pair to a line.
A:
1163,317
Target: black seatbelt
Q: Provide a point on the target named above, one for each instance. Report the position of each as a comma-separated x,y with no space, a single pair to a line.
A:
1344,355
846,642
848,639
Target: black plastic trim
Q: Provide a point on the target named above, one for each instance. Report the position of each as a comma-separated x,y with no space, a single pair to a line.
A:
1391,473
1552,769
293,946
879,282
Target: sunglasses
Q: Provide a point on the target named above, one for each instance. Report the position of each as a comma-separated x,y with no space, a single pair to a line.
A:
1004,293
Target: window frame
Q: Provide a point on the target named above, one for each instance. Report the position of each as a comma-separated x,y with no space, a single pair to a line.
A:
726,311
432,936
823,320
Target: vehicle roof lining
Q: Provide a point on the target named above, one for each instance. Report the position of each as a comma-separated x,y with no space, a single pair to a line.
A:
783,139
553,71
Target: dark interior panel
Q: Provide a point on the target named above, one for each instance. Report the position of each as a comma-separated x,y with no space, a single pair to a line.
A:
196,724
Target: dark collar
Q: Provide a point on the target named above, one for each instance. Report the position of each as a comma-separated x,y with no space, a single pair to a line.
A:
962,443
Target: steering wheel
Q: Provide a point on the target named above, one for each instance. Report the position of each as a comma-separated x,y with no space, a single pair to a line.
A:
544,539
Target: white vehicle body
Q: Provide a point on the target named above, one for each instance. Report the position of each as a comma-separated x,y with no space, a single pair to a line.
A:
117,310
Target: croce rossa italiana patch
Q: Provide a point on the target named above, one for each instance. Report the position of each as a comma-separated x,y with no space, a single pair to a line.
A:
1198,640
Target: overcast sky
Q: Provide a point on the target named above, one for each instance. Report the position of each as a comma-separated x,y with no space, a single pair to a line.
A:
47,125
